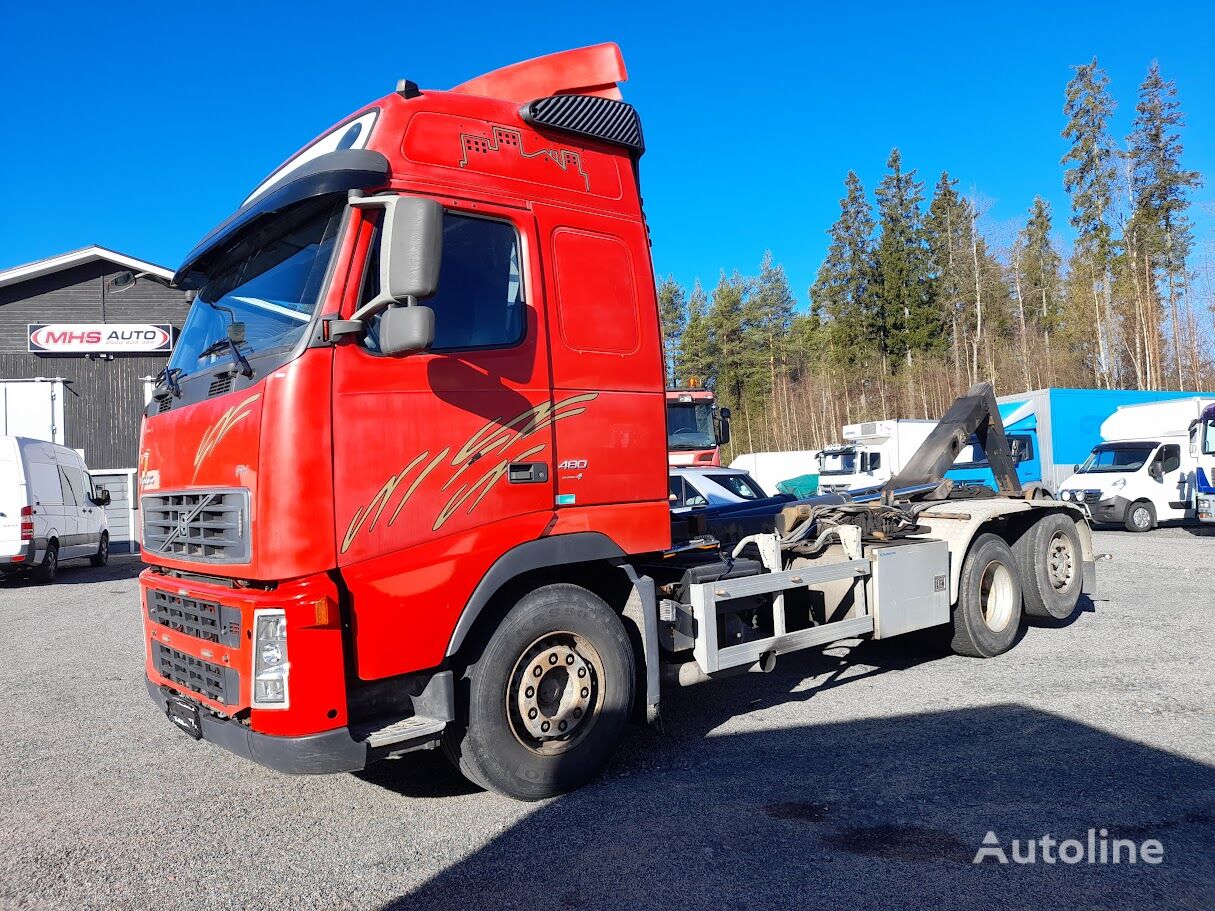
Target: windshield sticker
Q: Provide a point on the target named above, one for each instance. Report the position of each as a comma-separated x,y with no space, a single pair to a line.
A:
353,134
492,437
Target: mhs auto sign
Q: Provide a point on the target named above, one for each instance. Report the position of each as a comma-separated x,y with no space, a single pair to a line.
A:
88,338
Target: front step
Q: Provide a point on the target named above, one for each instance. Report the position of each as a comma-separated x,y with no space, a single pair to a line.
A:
415,727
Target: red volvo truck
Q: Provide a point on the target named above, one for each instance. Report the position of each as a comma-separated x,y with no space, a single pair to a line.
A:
403,483
696,429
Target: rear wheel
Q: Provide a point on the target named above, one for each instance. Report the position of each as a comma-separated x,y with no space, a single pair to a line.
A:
549,697
1052,570
987,617
49,567
102,557
1141,516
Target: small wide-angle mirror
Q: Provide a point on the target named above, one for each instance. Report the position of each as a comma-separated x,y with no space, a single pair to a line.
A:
406,330
236,333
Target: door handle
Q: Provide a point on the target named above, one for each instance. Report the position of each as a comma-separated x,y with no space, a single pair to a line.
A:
527,472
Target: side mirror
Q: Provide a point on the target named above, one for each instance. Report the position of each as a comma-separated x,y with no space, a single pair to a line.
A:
101,496
411,250
1156,471
407,330
1076,469
723,427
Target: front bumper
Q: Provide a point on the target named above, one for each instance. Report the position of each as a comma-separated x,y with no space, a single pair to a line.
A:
310,754
1111,511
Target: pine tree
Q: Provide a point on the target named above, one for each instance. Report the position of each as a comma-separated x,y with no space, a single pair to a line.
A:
694,362
907,322
1159,227
1090,180
947,236
1040,265
672,316
842,294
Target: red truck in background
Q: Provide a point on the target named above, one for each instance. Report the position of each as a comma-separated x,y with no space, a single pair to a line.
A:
403,483
696,430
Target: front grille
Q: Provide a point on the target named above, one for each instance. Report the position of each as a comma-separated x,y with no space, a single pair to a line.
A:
200,619
219,684
210,526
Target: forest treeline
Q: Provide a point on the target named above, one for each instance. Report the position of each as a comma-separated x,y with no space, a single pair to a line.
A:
917,299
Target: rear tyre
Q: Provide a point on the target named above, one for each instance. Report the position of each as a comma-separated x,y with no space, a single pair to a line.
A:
549,697
1051,566
987,617
102,557
48,569
1140,516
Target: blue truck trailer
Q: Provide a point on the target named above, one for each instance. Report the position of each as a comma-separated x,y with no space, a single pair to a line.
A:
1050,432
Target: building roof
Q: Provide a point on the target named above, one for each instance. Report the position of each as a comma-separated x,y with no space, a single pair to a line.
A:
18,274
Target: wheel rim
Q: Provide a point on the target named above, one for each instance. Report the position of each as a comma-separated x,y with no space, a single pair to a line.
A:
1061,561
996,595
553,697
52,561
104,553
1140,517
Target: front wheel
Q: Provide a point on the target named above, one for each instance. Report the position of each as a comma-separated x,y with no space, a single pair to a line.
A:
549,697
1140,516
987,617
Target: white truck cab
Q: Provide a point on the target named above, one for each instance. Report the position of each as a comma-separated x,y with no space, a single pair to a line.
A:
873,452
49,508
1145,471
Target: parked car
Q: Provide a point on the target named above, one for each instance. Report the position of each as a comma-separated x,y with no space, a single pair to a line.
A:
49,509
692,488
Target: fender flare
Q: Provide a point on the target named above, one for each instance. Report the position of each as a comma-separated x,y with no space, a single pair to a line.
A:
557,550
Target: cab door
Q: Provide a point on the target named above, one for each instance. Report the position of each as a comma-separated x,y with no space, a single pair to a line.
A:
443,460
1175,498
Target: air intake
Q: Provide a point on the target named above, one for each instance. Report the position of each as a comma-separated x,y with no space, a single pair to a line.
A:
590,117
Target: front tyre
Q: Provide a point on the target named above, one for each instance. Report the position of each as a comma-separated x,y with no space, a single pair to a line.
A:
549,697
1140,516
987,617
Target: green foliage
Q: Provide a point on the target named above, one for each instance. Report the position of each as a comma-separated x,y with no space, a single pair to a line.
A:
672,316
1092,160
842,297
907,320
696,357
1039,264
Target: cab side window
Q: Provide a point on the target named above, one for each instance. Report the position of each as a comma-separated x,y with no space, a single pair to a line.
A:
480,299
1169,458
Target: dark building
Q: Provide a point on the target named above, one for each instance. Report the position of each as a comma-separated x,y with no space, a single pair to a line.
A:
79,344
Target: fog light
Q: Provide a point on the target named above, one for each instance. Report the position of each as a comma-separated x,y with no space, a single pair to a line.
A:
270,665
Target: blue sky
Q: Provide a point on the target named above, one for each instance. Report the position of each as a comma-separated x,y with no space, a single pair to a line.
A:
140,126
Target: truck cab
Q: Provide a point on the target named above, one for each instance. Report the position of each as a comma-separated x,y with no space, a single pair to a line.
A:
696,427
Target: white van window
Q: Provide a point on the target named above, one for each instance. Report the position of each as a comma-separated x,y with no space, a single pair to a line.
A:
82,482
71,496
44,484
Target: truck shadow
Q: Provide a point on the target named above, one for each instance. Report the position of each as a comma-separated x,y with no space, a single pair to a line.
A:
871,813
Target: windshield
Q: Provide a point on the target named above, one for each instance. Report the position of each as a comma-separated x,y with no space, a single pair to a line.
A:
837,462
1129,458
690,426
973,456
271,286
1208,436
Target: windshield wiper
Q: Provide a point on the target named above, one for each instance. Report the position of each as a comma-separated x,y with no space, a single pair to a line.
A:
219,345
168,379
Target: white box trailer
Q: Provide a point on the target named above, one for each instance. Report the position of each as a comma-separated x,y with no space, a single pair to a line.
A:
873,453
32,408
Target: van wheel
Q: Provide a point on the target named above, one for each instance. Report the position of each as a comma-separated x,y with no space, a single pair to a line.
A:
548,699
49,567
1141,516
102,557
1051,566
987,617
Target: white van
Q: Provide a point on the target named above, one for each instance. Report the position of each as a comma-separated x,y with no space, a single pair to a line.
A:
1146,470
49,509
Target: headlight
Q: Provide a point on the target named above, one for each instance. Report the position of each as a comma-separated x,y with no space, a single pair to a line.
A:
1119,484
270,664
1065,495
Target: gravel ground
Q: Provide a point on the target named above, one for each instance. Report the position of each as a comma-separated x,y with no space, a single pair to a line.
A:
864,776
